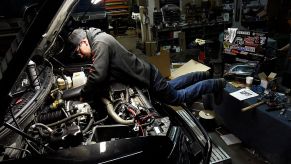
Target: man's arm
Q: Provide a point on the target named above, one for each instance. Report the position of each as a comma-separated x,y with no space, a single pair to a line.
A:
98,72
285,48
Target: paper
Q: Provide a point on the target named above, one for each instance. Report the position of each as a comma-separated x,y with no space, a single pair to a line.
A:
272,75
190,66
176,34
262,76
243,94
230,139
232,34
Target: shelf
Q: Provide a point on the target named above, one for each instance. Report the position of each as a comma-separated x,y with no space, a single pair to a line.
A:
116,7
169,39
118,14
112,1
193,26
209,31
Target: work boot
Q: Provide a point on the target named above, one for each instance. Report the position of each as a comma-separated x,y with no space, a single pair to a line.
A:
218,95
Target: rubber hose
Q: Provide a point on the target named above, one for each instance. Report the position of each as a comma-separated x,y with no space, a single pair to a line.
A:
112,113
67,119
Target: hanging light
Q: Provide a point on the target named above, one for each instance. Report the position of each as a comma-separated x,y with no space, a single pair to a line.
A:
94,2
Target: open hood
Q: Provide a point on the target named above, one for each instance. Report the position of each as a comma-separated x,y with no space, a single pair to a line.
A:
38,38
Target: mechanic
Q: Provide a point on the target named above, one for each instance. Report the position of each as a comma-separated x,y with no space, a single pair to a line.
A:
113,62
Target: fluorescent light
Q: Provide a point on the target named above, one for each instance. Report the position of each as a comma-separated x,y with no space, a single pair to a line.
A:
95,1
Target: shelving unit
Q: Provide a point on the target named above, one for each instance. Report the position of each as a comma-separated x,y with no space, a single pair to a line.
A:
165,36
118,14
117,7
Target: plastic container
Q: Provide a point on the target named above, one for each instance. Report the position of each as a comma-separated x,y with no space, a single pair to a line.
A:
62,84
110,132
79,79
70,82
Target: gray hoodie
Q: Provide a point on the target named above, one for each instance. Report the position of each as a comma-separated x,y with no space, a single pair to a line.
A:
112,61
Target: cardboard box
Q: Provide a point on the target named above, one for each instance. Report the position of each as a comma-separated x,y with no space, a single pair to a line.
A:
163,63
266,80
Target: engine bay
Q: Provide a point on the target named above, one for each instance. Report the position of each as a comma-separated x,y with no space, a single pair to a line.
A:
63,121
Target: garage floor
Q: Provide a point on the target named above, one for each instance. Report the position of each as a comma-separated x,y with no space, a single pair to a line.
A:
238,152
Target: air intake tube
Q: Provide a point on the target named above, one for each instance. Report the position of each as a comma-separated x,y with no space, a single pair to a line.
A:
112,113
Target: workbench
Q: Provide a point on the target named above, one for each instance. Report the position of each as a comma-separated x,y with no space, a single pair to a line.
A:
268,133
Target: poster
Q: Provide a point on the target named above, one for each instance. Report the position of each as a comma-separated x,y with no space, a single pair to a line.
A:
244,42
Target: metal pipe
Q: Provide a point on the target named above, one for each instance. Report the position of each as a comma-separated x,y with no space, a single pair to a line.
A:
42,125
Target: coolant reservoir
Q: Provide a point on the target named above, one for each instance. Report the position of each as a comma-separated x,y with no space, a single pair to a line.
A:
79,78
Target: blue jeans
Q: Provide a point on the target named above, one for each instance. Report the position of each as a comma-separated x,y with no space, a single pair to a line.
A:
184,89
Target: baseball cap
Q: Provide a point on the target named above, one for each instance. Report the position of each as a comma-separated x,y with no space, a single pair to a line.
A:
76,36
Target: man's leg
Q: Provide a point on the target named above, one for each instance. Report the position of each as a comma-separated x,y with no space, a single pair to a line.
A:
193,92
162,90
189,79
166,93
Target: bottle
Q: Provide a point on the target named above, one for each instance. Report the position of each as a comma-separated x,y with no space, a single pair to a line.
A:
69,82
79,79
32,73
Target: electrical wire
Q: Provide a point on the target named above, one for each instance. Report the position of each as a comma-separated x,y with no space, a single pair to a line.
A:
141,129
149,123
45,59
130,110
89,125
17,125
11,147
67,119
101,120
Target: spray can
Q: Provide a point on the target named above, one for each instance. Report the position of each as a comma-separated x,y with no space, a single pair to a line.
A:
32,73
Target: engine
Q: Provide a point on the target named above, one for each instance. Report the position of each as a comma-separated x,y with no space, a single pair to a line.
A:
131,106
62,124
63,121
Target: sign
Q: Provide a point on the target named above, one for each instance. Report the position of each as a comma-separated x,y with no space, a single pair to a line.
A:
244,42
